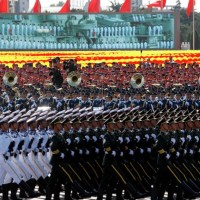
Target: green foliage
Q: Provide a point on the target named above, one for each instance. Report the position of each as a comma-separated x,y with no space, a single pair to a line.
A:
115,7
59,4
187,27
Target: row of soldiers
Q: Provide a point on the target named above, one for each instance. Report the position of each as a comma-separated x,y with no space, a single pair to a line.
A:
60,102
93,153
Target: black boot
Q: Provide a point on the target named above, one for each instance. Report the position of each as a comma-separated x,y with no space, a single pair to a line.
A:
5,189
48,194
14,188
134,192
42,185
189,191
77,188
29,193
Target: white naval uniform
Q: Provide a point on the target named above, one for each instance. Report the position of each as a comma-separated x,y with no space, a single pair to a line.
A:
15,159
6,166
24,156
42,155
33,155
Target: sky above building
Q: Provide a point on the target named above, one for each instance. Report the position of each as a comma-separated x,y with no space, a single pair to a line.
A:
106,3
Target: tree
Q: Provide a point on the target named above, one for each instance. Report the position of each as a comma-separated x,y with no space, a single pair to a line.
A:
178,3
115,7
59,4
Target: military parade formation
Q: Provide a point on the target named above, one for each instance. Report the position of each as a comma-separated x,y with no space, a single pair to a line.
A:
134,145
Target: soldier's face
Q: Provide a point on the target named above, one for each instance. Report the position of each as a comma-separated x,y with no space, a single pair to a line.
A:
58,127
14,126
5,126
66,127
128,124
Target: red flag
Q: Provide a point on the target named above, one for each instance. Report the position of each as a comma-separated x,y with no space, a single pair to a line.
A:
126,7
66,7
158,4
37,7
94,6
4,7
190,7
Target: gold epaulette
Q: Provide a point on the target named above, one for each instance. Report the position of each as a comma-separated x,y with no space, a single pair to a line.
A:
56,151
161,151
108,149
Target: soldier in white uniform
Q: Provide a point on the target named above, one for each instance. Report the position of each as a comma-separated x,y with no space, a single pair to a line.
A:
7,166
3,29
42,156
149,30
8,29
30,158
13,29
109,31
112,31
17,29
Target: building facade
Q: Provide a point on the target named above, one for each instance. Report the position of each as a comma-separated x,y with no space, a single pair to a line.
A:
136,4
21,6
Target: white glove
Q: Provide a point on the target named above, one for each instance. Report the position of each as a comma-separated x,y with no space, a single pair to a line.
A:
187,103
87,152
96,150
196,138
185,151
120,139
177,154
160,103
80,151
127,139
72,153
149,150
7,154
182,140
77,140
68,141
138,138
191,151
153,136
167,156
102,137
62,155
87,138
173,141
131,152
141,151
147,137
121,154
114,153
94,138
189,137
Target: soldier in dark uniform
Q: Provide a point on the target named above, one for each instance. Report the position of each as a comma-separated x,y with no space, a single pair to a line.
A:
111,172
58,150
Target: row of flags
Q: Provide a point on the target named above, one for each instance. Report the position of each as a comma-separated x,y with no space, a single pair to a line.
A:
94,6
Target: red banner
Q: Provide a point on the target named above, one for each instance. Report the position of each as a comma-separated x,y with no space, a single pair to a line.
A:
4,7
66,7
190,7
37,7
94,6
126,7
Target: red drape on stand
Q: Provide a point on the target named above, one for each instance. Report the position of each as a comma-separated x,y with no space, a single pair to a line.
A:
126,7
190,7
37,7
4,6
66,7
159,4
94,6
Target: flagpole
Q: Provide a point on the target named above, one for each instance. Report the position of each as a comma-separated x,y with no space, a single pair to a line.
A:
131,6
193,27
